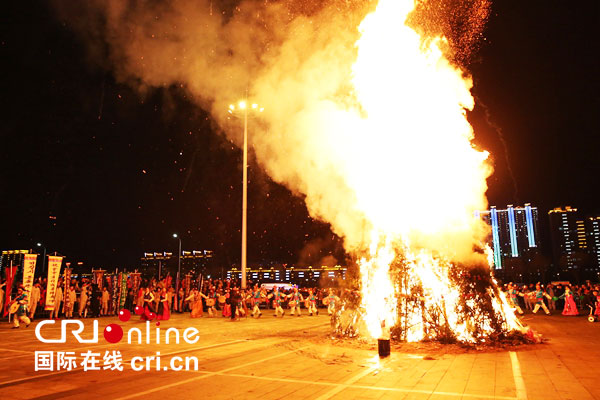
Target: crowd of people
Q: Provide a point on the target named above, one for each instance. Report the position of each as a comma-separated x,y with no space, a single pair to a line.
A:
158,299
570,300
226,298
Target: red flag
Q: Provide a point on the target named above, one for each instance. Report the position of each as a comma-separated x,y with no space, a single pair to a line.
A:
10,276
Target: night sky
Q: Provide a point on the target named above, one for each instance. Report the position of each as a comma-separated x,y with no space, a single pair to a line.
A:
101,173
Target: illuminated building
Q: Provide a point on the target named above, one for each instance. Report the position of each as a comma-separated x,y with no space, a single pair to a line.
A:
567,232
514,232
300,276
194,262
575,242
580,232
592,228
12,257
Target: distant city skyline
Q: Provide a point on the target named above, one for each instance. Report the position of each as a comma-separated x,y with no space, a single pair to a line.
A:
575,240
572,247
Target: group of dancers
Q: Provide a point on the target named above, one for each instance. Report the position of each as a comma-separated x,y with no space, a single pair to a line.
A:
235,302
155,305
540,295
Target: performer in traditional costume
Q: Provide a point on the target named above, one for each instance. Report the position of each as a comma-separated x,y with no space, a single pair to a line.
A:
539,299
211,300
234,302
311,303
331,300
224,304
58,300
241,309
195,300
163,306
570,306
83,300
20,314
34,300
246,296
180,300
294,303
148,305
513,299
105,298
277,300
257,297
70,298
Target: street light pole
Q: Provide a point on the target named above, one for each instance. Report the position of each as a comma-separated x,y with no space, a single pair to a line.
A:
244,106
178,256
245,198
43,258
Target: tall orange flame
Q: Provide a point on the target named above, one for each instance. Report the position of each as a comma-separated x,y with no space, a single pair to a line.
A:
415,127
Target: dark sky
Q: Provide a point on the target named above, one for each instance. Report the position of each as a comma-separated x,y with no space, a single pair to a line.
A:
120,172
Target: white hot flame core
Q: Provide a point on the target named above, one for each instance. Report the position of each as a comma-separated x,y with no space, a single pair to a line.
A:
414,128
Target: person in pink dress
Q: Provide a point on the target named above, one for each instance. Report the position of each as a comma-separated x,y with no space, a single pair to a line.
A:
570,306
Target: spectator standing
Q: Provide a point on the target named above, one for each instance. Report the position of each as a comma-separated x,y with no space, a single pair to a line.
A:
560,303
58,300
70,298
551,302
105,299
83,300
34,299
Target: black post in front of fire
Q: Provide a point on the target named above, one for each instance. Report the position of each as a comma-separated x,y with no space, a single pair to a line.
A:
383,347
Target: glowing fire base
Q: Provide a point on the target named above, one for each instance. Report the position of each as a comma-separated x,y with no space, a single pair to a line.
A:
425,298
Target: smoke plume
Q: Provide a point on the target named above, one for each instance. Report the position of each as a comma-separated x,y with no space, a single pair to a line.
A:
296,60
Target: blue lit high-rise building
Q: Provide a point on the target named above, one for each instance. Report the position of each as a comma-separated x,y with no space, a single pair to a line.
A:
514,231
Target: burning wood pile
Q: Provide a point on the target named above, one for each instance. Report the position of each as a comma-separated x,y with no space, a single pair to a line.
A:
432,300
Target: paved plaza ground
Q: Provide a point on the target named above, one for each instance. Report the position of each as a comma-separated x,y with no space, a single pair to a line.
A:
274,358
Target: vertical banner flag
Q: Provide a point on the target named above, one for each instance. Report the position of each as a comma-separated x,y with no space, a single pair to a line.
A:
10,276
67,281
136,279
29,272
123,295
177,282
99,277
115,293
187,283
54,263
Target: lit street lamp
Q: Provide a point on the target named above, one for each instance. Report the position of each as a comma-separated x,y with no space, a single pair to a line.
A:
43,257
178,256
244,107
